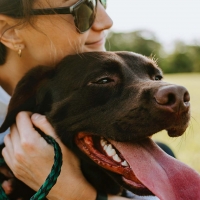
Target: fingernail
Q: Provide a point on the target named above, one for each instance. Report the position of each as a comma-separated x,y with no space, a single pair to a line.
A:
35,116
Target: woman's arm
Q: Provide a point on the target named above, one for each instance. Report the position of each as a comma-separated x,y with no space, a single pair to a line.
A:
30,158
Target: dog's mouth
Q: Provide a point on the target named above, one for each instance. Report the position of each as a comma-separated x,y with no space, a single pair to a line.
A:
102,152
143,166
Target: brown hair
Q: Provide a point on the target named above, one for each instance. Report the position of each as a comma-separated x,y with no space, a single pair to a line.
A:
14,8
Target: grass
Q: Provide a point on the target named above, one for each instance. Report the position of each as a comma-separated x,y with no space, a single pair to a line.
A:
186,147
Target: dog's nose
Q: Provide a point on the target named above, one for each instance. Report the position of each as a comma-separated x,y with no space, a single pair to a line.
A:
173,98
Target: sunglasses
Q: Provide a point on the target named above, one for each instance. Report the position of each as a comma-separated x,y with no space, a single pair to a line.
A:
84,13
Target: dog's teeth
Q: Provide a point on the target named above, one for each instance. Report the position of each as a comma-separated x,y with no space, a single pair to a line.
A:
103,142
109,147
125,164
105,147
116,158
110,151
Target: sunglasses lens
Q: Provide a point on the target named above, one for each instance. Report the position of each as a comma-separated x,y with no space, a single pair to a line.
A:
85,15
104,3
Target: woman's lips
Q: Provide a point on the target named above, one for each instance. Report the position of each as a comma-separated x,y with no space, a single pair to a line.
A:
98,42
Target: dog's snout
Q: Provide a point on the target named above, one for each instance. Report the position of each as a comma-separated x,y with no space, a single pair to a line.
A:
174,97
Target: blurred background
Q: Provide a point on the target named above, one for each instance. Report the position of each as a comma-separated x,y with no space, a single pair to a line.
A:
168,30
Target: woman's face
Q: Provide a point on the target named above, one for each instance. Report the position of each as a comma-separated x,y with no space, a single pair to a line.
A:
55,36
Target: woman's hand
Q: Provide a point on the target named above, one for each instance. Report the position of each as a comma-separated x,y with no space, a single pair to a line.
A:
8,183
30,158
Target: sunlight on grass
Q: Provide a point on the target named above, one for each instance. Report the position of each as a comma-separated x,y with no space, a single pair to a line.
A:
186,147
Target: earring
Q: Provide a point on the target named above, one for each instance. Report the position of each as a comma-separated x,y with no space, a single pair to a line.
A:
19,48
20,53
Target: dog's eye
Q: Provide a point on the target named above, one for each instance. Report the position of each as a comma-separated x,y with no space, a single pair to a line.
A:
158,78
104,80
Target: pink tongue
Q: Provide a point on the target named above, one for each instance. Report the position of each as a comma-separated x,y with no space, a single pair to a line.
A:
163,175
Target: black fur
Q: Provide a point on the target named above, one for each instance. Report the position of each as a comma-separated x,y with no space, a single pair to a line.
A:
108,94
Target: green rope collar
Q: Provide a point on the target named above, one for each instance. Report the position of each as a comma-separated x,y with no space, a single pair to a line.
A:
101,196
52,177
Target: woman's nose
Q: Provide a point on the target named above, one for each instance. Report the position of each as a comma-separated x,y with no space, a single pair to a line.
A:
102,20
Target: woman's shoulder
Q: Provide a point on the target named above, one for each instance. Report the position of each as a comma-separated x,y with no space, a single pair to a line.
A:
4,100
4,97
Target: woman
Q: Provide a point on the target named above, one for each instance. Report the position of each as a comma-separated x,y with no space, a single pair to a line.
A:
34,32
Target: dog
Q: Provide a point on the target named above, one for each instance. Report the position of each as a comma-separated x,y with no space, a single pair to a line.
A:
105,106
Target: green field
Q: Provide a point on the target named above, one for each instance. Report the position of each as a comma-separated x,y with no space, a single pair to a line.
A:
186,147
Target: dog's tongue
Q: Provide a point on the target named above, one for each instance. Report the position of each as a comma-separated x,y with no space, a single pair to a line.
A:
163,175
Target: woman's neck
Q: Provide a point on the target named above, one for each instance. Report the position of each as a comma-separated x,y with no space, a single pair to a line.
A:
8,79
10,74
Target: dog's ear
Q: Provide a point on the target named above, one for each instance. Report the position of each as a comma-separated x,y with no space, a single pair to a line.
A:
26,92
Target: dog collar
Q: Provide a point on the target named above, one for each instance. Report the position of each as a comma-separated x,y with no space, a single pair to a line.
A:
101,196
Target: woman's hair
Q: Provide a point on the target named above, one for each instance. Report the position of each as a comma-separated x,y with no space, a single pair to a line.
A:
14,8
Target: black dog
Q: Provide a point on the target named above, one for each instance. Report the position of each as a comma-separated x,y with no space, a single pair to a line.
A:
104,107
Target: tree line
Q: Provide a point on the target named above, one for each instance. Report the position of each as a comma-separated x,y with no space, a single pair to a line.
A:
183,57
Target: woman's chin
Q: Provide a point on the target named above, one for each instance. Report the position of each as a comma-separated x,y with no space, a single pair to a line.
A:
95,47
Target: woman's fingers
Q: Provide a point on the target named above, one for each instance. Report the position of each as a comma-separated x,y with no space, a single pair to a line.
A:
27,154
41,122
8,151
7,185
25,126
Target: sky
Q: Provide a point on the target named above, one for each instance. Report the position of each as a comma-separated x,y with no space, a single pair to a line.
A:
168,19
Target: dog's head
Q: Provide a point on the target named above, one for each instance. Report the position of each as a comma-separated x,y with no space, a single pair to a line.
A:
105,106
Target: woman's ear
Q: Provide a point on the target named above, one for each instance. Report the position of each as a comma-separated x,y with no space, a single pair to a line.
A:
8,33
